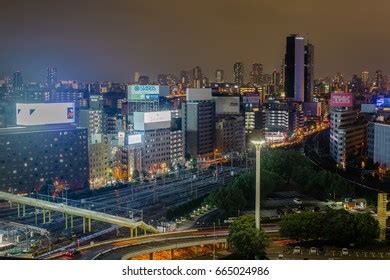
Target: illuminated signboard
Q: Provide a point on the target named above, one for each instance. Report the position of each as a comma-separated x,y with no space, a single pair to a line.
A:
44,113
134,139
146,92
341,99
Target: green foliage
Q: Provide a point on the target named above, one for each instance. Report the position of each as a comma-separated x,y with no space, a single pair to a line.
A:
240,193
247,241
337,226
230,199
306,225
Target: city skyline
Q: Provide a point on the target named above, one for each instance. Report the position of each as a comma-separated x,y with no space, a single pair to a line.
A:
121,38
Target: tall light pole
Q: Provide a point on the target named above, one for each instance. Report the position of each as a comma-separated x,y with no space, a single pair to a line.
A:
258,145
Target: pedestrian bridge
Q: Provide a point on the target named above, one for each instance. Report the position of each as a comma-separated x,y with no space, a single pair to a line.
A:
70,212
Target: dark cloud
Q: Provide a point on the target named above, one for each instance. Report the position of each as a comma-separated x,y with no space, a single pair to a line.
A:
110,39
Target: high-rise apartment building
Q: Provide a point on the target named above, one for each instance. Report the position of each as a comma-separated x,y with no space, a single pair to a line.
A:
238,73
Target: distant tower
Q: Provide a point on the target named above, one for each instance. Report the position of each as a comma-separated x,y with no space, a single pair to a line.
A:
379,79
197,77
136,77
219,76
257,74
51,78
365,77
295,67
238,73
17,81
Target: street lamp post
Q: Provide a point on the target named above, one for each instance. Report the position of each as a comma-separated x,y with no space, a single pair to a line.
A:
258,145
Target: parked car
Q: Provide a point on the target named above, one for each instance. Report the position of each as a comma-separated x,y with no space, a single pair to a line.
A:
344,252
313,251
297,201
297,250
280,257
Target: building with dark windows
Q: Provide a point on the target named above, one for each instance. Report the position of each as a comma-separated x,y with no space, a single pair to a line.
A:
294,67
256,75
309,73
34,156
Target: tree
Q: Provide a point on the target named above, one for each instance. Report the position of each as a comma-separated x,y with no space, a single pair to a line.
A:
337,226
306,225
247,241
229,199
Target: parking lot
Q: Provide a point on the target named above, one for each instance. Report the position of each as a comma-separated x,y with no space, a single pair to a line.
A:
288,253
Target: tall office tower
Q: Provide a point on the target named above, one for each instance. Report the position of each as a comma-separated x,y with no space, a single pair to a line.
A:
257,74
238,73
309,73
184,77
365,77
198,123
197,77
380,82
295,68
17,81
219,76
51,78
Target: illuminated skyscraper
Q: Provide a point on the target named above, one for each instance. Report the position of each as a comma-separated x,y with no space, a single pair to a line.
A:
51,78
365,77
295,67
238,73
219,76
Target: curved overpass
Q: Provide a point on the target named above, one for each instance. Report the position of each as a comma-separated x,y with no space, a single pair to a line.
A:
164,244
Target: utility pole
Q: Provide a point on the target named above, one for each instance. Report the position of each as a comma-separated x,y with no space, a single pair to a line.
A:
258,145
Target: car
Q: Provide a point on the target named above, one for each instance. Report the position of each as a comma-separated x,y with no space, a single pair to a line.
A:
72,253
280,257
297,201
316,209
279,211
344,252
313,251
297,250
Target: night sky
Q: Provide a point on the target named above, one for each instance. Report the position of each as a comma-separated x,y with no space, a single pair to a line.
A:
110,39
